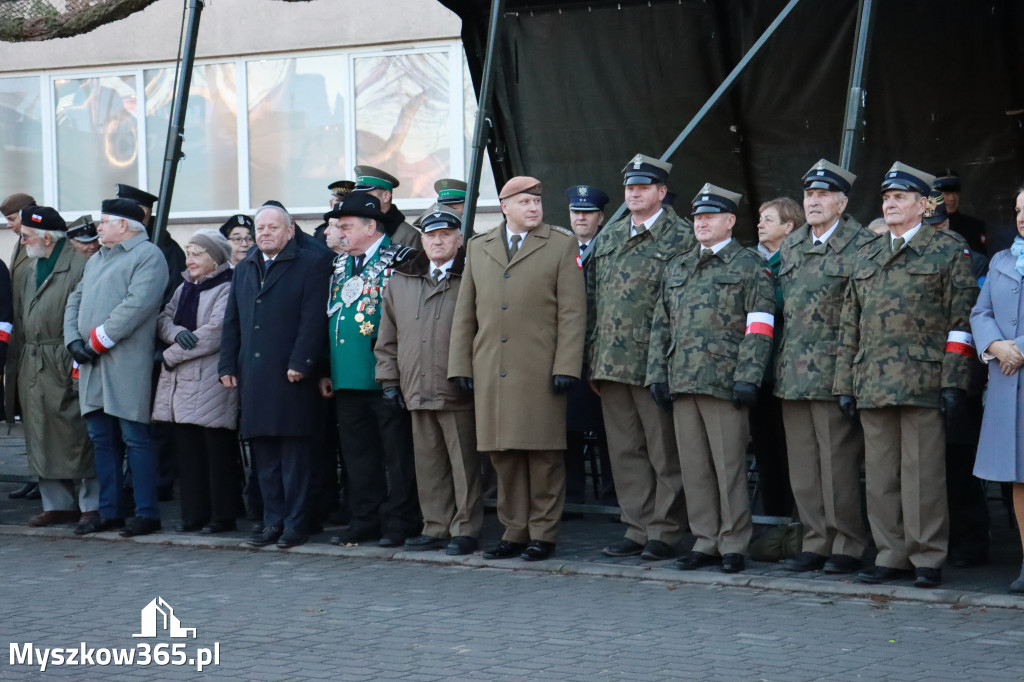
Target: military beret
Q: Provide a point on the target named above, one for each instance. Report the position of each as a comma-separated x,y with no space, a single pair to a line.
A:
135,194
368,177
42,218
645,170
237,220
274,202
827,175
450,191
123,208
585,198
902,176
521,184
948,181
360,204
935,210
712,199
16,202
83,230
441,219
340,188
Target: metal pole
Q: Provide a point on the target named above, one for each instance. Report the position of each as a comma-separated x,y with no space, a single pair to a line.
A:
482,119
853,121
176,128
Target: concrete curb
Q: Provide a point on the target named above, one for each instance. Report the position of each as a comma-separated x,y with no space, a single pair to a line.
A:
879,593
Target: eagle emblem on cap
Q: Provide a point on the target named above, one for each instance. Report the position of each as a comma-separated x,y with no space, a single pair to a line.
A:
705,189
638,161
436,215
820,165
241,220
582,190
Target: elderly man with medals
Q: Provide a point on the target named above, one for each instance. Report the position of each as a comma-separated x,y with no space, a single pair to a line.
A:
376,441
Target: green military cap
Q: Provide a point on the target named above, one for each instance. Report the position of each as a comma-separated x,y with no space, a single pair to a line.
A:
902,176
83,229
450,191
827,175
368,177
340,188
714,199
645,170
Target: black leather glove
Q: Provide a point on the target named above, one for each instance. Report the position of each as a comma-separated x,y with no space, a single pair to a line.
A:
744,394
158,355
848,406
464,384
394,399
662,396
82,353
952,405
562,383
186,340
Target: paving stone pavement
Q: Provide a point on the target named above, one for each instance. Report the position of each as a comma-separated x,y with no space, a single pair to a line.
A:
305,616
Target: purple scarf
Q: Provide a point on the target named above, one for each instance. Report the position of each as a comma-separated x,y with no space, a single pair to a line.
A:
188,301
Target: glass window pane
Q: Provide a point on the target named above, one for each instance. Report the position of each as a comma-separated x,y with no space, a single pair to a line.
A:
21,137
296,129
402,122
487,188
97,139
207,178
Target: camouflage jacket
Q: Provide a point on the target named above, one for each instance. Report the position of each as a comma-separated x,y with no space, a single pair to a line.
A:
713,323
622,287
813,280
904,329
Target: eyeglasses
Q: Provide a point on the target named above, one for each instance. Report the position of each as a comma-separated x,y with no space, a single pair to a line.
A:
241,240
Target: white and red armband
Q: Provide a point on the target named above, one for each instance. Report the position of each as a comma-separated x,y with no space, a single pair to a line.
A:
5,331
761,323
960,342
99,340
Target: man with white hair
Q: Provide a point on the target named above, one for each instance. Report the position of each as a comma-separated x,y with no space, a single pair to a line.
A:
110,329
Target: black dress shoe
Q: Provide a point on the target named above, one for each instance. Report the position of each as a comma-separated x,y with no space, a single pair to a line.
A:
505,550
292,538
877,575
656,550
267,536
927,577
805,561
538,550
188,527
99,525
392,539
839,564
624,547
424,543
214,527
34,494
691,561
354,536
970,560
461,544
23,491
140,525
733,563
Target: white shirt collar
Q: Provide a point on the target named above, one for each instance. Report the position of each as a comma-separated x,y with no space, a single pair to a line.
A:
372,250
444,268
907,236
647,223
824,238
717,247
508,237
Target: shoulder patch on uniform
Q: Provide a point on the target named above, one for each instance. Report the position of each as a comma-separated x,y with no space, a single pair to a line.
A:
567,233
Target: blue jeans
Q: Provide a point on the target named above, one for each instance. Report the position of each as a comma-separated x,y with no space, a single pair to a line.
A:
107,434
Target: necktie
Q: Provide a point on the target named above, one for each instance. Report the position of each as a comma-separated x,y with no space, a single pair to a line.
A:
705,256
437,274
265,265
513,248
897,244
817,242
357,267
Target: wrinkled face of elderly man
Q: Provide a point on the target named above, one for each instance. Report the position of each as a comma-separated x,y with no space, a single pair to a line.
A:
442,244
39,243
273,230
357,234
113,229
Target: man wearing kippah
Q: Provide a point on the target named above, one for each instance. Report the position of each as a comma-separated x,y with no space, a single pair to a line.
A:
382,185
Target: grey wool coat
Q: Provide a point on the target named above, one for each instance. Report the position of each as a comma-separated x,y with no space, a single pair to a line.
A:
122,290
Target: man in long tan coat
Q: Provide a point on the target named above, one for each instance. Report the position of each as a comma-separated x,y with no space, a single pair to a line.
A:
59,449
517,339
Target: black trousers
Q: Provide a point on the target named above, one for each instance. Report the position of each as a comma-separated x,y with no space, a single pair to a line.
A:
210,472
376,448
284,465
769,442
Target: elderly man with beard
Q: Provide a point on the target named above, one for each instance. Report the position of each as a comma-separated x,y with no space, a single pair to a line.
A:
59,450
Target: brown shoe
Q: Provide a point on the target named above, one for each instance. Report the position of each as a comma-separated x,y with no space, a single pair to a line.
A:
87,517
54,516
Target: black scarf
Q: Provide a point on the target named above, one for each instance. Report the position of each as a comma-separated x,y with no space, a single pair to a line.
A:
188,302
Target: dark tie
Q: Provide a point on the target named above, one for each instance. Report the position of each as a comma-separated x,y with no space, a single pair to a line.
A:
265,265
817,242
437,274
897,244
513,248
357,266
705,256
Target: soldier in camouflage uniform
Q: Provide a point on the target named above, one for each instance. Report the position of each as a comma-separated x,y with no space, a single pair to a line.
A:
626,264
825,449
711,340
903,358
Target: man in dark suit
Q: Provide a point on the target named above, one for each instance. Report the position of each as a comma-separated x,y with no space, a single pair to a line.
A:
274,331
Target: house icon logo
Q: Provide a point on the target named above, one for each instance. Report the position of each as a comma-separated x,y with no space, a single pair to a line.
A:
158,614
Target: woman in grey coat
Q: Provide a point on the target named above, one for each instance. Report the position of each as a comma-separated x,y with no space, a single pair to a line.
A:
996,324
189,395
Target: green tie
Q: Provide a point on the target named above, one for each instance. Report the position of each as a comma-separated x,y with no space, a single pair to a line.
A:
705,256
513,248
897,244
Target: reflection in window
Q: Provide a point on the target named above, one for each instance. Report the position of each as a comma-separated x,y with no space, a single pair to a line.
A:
402,122
97,139
207,178
21,137
296,129
487,186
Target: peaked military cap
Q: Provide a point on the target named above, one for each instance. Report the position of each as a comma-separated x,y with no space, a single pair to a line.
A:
360,204
441,219
368,177
237,220
450,191
935,210
16,202
340,188
645,170
948,181
83,229
135,194
123,208
521,184
712,199
902,176
827,175
42,218
585,198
